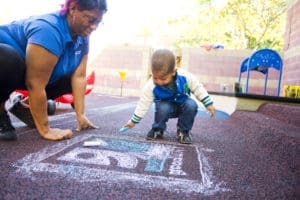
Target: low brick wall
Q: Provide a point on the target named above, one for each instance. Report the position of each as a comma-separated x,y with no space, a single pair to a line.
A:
216,69
291,71
220,67
133,60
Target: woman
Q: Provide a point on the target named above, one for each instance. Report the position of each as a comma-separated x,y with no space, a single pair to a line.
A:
47,55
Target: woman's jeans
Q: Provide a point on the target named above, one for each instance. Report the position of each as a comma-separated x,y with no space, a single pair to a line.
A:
12,76
185,112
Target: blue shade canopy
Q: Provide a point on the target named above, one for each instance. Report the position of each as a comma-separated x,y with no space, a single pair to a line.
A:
261,60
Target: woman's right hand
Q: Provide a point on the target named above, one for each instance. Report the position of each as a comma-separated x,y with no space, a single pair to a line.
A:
56,134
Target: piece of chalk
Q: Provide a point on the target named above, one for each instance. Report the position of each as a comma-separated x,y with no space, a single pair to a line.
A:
123,129
91,143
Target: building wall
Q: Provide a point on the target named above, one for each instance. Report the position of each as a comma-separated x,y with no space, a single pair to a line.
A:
216,69
291,75
107,65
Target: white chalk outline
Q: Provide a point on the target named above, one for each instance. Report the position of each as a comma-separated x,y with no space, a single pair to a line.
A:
32,163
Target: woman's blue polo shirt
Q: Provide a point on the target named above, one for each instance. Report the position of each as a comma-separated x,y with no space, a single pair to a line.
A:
50,31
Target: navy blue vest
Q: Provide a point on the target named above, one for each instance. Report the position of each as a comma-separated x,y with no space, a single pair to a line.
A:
182,92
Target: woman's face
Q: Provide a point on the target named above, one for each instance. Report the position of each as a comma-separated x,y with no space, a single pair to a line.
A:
84,22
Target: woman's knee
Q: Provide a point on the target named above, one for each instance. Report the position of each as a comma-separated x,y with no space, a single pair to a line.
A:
11,63
12,70
11,57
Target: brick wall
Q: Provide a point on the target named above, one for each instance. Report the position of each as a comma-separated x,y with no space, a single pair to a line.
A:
291,75
214,68
133,60
219,67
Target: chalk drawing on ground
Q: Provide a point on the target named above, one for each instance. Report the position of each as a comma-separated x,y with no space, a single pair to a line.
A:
116,160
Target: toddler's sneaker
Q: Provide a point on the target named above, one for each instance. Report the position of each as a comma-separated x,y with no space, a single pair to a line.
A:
155,133
22,113
7,131
184,137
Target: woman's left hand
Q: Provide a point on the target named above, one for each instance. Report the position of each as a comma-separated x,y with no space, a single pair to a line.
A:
84,123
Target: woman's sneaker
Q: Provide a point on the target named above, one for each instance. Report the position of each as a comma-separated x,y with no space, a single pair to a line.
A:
22,113
184,137
7,131
155,133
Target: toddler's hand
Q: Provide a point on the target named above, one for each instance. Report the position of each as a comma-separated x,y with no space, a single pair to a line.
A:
127,126
211,109
124,129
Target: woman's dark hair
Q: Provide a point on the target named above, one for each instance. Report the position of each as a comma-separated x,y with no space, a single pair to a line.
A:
85,5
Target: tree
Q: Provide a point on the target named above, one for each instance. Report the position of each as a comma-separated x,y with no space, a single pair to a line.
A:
240,24
259,22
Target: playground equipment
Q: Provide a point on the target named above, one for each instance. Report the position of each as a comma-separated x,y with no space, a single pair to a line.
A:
66,98
261,60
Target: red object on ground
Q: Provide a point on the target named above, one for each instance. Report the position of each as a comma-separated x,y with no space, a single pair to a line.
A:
68,98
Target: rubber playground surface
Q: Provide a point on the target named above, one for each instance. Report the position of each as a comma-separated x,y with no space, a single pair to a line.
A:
247,155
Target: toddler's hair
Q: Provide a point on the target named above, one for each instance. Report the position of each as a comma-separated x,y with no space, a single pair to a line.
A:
163,60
